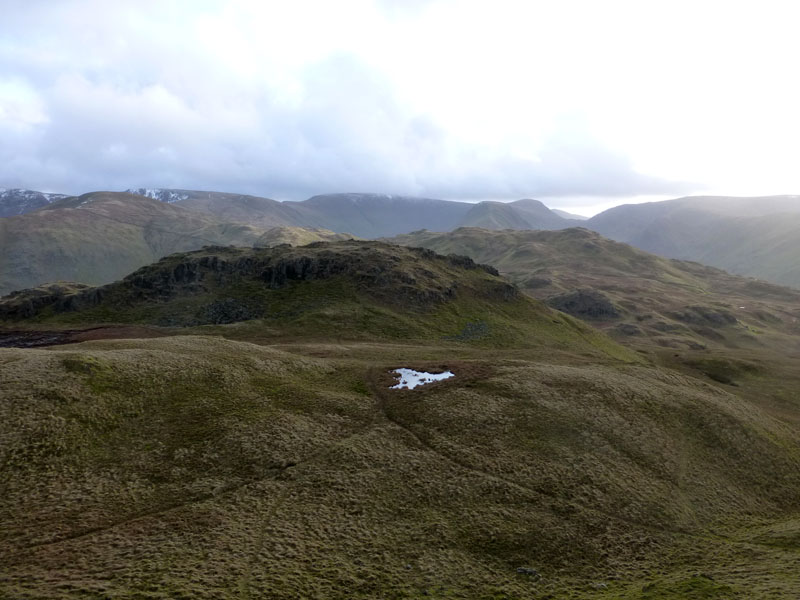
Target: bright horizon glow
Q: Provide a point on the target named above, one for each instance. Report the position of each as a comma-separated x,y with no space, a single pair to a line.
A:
578,103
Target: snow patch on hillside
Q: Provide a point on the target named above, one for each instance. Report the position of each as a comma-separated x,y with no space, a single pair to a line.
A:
161,194
410,378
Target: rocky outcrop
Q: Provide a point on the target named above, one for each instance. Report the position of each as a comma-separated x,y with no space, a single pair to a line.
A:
585,303
412,277
705,316
23,304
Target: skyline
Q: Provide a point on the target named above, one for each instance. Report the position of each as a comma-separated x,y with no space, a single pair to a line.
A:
579,105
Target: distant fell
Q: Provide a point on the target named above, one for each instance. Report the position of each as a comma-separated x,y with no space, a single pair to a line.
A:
15,202
99,237
378,215
365,215
757,237
569,215
252,210
522,214
539,216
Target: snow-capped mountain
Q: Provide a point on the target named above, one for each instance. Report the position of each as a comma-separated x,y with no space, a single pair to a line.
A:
168,196
18,202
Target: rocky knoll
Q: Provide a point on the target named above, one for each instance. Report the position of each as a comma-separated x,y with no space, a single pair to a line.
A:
411,277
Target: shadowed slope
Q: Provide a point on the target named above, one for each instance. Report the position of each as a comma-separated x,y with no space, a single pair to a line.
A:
759,237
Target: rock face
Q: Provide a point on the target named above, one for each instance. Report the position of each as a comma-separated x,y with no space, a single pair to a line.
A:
705,316
26,303
410,277
585,304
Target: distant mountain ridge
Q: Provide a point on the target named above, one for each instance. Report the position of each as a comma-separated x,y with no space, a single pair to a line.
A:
757,237
569,215
99,237
18,201
163,195
365,215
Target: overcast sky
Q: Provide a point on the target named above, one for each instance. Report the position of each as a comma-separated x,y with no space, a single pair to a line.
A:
584,104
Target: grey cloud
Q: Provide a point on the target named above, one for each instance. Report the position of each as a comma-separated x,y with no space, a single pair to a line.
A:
151,113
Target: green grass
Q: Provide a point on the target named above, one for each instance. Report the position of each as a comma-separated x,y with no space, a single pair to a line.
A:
269,458
197,466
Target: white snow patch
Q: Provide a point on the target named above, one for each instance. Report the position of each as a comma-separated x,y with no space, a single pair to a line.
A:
410,378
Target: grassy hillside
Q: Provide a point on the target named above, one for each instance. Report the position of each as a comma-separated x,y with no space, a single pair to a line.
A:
758,237
259,452
252,210
539,216
634,295
102,236
522,214
208,468
494,215
299,236
353,290
569,215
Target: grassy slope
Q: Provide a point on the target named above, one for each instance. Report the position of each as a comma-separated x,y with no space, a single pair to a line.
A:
253,210
100,237
388,292
494,215
757,237
651,293
755,357
206,468
299,236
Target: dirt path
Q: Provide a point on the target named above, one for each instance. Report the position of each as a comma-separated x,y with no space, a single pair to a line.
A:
11,338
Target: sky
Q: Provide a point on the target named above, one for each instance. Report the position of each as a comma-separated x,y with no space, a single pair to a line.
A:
582,104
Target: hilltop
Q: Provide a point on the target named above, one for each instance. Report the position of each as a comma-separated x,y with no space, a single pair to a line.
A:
352,289
522,214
